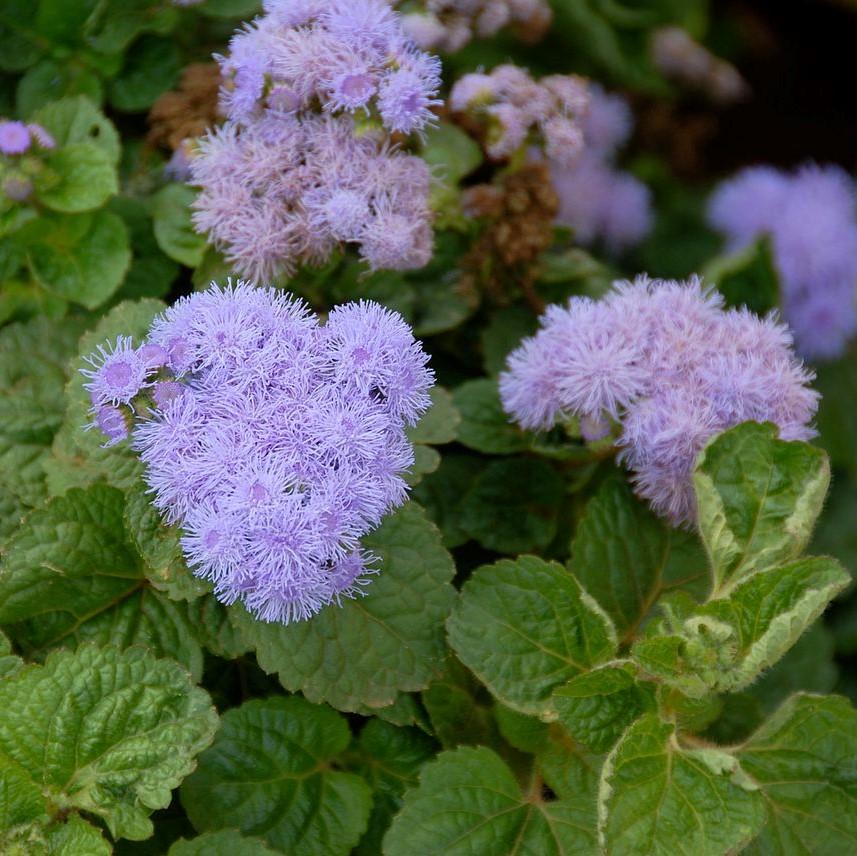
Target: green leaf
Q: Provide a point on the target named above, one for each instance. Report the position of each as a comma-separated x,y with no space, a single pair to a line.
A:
440,423
268,773
426,460
758,499
657,797
50,80
86,179
228,842
75,120
747,278
83,258
503,333
106,732
596,707
9,663
726,644
373,647
388,758
76,837
485,426
21,800
451,152
525,627
71,575
442,492
174,232
468,802
626,557
804,760
229,8
837,420
459,708
151,68
513,506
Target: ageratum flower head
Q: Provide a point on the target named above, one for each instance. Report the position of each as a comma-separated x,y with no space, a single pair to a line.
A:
812,223
665,367
515,109
17,137
448,25
274,441
290,177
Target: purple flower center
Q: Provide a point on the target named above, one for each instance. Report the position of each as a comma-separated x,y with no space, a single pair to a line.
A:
258,492
357,87
211,539
118,374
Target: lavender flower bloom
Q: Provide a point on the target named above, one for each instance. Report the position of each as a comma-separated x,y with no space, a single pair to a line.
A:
112,423
280,442
666,365
597,201
811,220
284,184
14,137
514,108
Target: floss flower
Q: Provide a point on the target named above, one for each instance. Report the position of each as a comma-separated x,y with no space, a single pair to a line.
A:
288,179
513,109
17,137
275,442
810,217
669,367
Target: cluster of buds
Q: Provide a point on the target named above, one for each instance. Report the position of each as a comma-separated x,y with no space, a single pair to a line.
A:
448,25
510,111
20,145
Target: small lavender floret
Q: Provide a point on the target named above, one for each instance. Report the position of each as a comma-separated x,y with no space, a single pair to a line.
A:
118,373
671,367
282,443
14,137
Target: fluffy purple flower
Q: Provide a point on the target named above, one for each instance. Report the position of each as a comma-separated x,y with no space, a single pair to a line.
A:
608,123
514,109
17,188
41,137
405,98
112,423
667,364
811,220
14,137
282,444
118,373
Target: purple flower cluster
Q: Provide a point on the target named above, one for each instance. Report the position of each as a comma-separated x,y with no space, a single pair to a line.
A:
665,366
448,25
596,200
274,441
810,218
517,111
16,138
290,176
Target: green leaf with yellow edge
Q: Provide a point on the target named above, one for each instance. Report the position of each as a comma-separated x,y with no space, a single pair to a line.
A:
525,627
468,802
758,498
270,774
596,707
804,760
374,647
626,557
106,732
657,797
727,643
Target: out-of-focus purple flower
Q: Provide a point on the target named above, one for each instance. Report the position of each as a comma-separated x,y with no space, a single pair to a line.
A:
448,25
667,363
18,188
14,137
811,220
282,443
515,108
41,137
608,123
